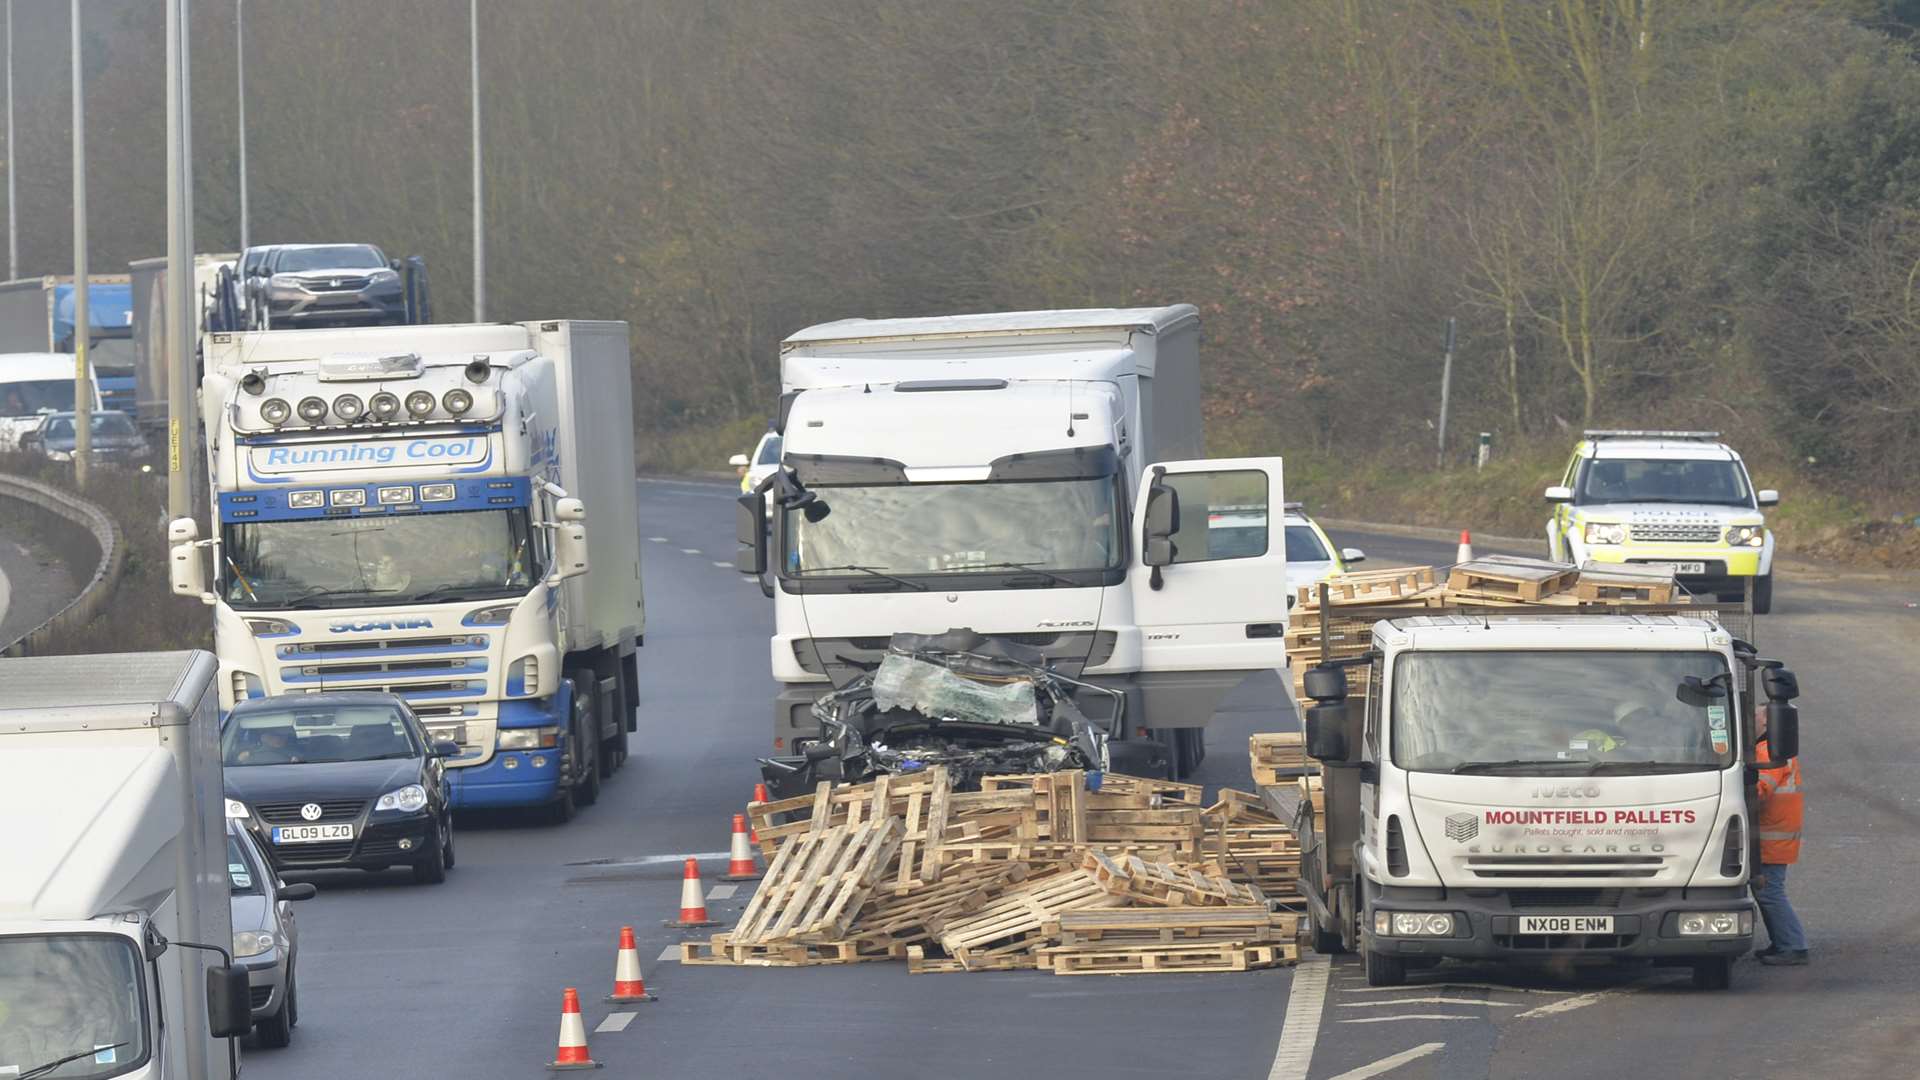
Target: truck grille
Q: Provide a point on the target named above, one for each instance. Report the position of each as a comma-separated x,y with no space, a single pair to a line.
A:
1523,899
288,813
1565,866
403,666
1675,534
400,645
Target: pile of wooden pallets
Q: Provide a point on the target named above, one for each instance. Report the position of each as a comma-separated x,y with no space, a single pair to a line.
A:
1032,872
1279,756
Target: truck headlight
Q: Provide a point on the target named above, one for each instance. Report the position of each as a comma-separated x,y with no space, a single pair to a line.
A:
275,411
420,404
1600,533
306,500
251,942
1413,924
1716,924
457,401
533,738
407,799
312,409
237,809
497,615
269,627
349,407
1747,535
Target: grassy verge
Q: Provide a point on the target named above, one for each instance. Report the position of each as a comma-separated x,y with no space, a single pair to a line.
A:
142,615
694,450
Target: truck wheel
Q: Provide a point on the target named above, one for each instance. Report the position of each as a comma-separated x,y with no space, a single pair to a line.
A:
586,738
276,1031
1713,973
560,811
1762,587
1384,970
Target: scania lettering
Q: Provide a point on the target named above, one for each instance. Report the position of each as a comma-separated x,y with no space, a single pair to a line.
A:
1453,827
411,509
1037,475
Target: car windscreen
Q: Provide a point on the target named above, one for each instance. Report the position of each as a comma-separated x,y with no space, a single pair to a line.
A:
1664,480
68,994
330,257
107,423
243,877
1567,712
299,736
1303,545
769,451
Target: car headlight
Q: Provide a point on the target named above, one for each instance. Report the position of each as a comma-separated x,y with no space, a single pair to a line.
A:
284,281
533,738
59,455
384,275
1716,924
1601,533
251,942
236,809
410,798
1747,535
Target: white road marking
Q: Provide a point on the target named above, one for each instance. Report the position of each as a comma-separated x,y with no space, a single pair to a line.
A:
689,551
722,892
1451,986
668,955
654,860
619,1022
723,565
1583,1000
1301,1028
1425,1001
658,539
1409,1016
1387,1064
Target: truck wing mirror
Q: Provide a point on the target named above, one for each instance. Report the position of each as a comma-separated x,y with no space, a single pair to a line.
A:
1325,684
1326,725
1559,494
185,570
1779,683
569,538
229,1011
1162,522
750,528
1783,730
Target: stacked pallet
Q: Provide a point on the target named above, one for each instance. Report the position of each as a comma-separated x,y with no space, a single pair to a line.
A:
1280,756
1047,872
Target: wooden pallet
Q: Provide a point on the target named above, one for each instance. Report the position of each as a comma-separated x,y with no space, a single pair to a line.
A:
1014,922
1506,579
817,883
1172,926
919,963
1166,884
1144,959
919,800
1370,587
1605,583
722,950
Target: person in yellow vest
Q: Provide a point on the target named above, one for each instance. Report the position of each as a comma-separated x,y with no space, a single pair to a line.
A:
1781,815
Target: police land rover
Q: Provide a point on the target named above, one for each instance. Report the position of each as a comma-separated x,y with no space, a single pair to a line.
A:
1678,499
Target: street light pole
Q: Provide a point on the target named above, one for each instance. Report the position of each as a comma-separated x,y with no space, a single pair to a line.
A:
82,317
181,321
479,230
240,67
13,230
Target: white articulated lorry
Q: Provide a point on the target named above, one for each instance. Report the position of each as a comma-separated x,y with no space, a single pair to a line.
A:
1545,787
410,509
1034,476
114,918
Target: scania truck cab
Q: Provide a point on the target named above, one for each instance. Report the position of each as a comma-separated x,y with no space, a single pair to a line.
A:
1540,787
408,509
1030,475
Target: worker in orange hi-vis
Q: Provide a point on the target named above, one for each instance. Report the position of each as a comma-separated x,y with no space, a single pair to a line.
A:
1781,814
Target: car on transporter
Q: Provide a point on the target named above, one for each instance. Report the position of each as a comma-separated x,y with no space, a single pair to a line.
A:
285,285
339,780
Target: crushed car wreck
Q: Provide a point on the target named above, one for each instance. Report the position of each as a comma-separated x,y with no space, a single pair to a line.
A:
979,705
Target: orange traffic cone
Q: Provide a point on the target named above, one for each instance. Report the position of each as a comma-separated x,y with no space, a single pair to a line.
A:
693,899
740,864
1465,554
572,1053
759,796
628,985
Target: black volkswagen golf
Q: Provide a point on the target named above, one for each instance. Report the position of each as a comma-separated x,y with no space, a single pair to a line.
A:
339,780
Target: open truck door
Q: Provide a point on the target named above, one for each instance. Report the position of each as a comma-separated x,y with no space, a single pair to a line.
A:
1209,586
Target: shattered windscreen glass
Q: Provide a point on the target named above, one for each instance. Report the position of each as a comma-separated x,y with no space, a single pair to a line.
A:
903,682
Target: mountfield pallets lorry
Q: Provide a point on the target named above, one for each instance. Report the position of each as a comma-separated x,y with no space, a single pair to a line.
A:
114,919
411,509
1035,476
1547,785
36,316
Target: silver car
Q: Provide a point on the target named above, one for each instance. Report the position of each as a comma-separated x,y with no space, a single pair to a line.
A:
265,940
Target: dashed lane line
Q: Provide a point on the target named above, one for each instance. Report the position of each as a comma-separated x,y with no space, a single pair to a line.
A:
668,955
722,892
723,565
653,860
689,551
658,539
1391,1062
1581,1001
1406,1016
1301,1028
617,1022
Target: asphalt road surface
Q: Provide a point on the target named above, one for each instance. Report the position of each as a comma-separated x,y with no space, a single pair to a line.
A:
34,584
464,979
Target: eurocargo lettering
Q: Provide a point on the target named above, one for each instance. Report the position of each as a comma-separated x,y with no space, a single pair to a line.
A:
412,509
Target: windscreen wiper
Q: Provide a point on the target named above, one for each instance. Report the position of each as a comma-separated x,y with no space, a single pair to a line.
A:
914,585
1599,767
1032,568
42,1070
1515,763
457,592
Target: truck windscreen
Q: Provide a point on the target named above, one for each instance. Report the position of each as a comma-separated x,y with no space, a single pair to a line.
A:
1561,712
399,559
32,396
66,994
986,527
